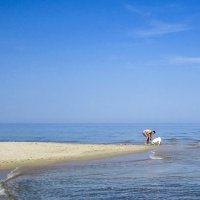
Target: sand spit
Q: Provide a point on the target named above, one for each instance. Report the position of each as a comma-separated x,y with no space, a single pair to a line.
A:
16,154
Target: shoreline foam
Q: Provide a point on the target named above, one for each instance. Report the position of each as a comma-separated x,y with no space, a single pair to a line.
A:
19,154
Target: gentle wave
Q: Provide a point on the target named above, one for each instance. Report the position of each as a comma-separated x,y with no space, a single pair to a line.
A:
154,157
2,190
13,174
4,187
5,191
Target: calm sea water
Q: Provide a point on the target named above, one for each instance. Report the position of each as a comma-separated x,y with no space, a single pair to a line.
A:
171,171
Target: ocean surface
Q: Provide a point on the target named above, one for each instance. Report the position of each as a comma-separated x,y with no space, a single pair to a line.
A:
171,171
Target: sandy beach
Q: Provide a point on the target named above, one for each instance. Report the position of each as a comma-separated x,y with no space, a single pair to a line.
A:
16,154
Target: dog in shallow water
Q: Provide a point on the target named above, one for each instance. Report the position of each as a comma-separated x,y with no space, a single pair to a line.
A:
156,141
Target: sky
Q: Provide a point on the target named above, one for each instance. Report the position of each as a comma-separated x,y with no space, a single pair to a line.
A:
102,61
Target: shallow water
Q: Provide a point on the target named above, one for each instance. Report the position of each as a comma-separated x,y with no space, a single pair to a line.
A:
170,171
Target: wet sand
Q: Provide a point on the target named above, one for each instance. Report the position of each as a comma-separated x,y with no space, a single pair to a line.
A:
17,154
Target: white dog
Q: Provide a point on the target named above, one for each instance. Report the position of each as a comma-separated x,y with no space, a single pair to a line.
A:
156,141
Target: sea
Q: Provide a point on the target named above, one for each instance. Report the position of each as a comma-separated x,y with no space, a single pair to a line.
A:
170,171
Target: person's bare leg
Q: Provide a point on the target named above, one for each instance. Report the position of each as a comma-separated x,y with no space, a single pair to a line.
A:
147,141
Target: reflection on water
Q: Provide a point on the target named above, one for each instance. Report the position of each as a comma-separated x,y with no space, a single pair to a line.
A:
175,175
170,171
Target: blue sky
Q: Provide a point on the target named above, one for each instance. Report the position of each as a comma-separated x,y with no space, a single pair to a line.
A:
99,61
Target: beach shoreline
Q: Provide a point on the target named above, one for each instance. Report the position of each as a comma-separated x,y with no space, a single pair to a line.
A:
22,154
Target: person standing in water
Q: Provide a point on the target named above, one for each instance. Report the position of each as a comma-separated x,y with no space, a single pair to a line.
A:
148,135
